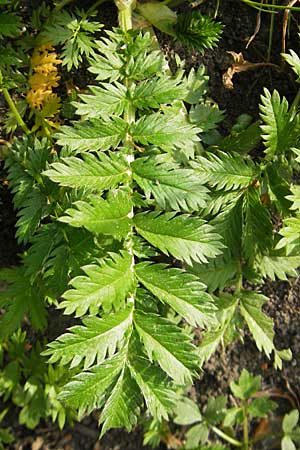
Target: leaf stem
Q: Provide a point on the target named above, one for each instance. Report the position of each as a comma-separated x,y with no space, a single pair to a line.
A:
271,31
14,110
227,438
61,5
125,13
245,427
239,280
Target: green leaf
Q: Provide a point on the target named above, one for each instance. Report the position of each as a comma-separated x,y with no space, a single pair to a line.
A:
216,274
107,65
10,25
74,34
99,171
156,91
185,237
294,61
170,184
290,232
155,386
287,443
233,416
258,230
197,83
104,101
260,325
197,31
215,410
34,208
187,412
280,188
247,385
260,407
111,216
107,285
168,345
92,135
161,16
242,142
18,299
280,124
93,341
163,129
212,339
198,434
123,405
181,290
278,266
87,390
206,116
226,170
290,421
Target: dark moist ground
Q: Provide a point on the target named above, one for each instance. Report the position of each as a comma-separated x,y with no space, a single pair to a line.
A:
284,303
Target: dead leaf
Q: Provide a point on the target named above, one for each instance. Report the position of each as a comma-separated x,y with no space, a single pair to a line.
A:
240,65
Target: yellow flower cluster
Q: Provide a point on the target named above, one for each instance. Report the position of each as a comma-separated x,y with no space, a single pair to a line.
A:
45,77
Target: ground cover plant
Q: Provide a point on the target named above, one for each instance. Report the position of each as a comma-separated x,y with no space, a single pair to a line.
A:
139,219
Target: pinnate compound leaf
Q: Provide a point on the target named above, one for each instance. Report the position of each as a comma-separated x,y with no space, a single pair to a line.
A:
181,290
168,345
159,395
185,237
170,184
111,216
107,285
92,135
92,341
99,171
280,123
164,129
260,325
225,170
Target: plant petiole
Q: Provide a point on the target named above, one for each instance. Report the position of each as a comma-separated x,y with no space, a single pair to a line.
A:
14,110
